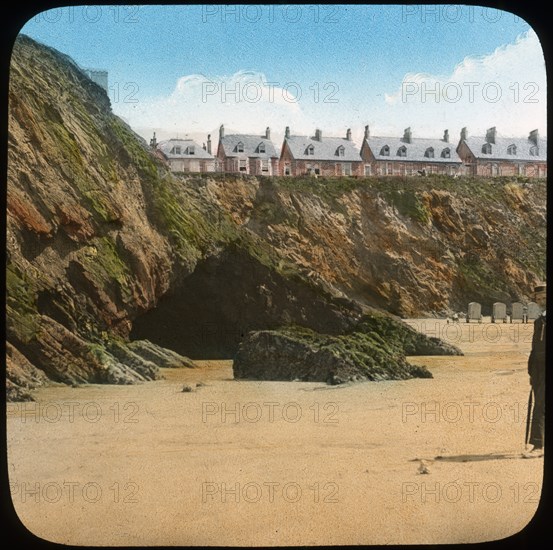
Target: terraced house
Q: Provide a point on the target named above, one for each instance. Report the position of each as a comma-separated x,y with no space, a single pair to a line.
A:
408,156
185,155
318,155
492,155
247,154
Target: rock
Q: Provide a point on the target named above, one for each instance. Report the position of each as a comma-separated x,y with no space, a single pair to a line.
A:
162,357
286,353
187,388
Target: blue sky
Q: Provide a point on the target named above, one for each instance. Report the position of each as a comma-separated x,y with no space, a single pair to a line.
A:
370,62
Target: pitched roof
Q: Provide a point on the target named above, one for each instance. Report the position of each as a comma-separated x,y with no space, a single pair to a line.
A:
188,149
250,144
414,151
499,148
326,149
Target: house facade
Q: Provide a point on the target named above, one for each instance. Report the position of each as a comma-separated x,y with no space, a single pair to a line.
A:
492,155
318,155
247,154
185,155
408,156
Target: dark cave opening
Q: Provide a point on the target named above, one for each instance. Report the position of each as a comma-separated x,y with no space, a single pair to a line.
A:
208,313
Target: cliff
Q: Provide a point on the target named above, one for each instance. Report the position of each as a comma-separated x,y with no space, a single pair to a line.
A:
104,246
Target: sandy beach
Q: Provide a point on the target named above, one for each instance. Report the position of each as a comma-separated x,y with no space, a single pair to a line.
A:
285,463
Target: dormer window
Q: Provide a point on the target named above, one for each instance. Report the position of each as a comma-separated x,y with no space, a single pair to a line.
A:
261,148
429,153
340,152
176,150
310,150
239,147
512,150
534,151
191,150
487,149
446,153
402,151
385,151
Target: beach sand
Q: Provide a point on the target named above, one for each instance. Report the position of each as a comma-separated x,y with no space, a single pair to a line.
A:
295,463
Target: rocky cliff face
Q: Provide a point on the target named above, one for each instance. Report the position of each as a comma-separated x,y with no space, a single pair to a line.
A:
103,245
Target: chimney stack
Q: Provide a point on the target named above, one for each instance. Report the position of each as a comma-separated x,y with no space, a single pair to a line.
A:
490,135
446,136
348,134
267,133
367,132
287,132
204,147
407,135
221,132
533,137
153,141
209,143
464,133
318,135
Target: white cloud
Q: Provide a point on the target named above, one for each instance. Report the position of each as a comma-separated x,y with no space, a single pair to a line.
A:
506,89
245,101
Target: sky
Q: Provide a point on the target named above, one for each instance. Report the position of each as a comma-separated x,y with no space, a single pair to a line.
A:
184,70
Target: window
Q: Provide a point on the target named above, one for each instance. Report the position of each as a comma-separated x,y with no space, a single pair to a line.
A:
534,151
340,152
243,165
368,171
495,170
389,171
175,150
487,149
402,151
239,147
446,153
265,166
191,150
520,168
512,150
385,151
346,168
287,170
310,150
261,148
429,153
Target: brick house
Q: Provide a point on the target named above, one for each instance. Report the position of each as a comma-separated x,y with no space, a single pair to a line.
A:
247,154
318,155
185,155
408,156
493,155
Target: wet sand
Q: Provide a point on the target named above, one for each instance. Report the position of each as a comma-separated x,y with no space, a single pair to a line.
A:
285,463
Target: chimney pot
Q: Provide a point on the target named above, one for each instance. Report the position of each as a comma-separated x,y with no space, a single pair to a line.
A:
348,134
367,132
446,136
287,132
267,133
318,135
209,143
533,137
221,131
407,135
464,133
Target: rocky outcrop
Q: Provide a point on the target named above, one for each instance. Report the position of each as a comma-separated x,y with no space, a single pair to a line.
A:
105,246
300,354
